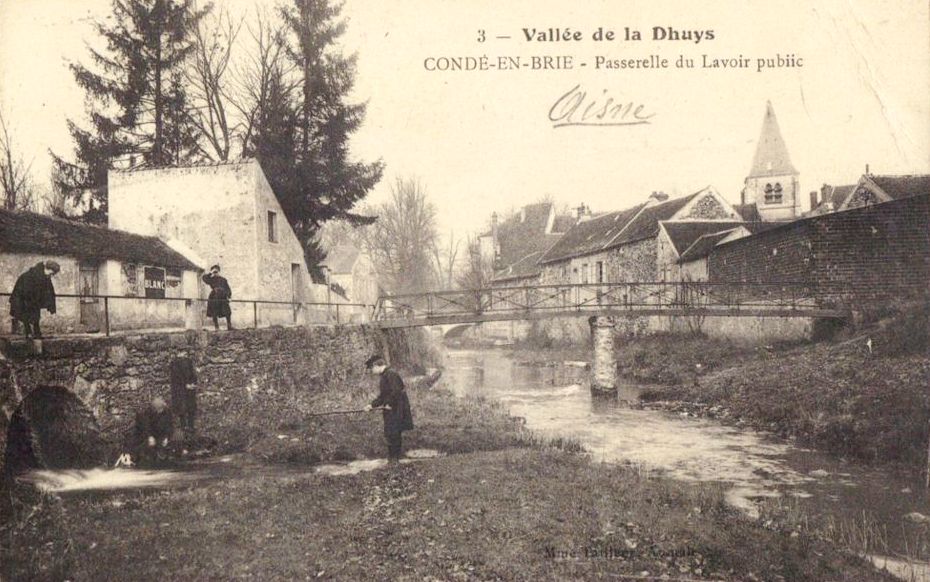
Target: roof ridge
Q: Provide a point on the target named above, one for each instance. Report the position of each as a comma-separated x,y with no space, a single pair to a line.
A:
213,164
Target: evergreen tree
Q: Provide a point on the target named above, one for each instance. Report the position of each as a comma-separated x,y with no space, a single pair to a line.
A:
312,174
137,103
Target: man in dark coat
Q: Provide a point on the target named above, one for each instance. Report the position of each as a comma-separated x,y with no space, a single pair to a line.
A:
218,301
392,398
153,432
32,293
183,379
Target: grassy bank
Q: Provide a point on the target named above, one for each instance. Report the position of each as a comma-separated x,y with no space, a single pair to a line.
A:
501,505
841,396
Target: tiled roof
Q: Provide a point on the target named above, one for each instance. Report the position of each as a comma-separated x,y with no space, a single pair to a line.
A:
26,232
528,266
898,187
341,258
563,222
524,233
749,211
683,234
703,246
590,235
646,224
771,158
840,194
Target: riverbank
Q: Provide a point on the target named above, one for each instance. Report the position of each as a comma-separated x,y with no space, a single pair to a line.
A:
863,396
501,503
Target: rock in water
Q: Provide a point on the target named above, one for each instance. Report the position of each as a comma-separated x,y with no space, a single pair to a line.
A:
52,429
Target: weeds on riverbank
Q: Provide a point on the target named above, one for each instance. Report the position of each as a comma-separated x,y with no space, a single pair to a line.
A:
863,396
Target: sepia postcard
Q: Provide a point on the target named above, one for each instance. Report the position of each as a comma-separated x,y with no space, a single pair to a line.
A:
474,290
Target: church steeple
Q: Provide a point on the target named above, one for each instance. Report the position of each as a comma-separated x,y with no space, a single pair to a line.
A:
772,183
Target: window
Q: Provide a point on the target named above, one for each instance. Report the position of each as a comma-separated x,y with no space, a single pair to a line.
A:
272,226
773,194
584,273
600,271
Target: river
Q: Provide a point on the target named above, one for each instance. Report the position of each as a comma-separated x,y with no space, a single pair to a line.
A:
867,504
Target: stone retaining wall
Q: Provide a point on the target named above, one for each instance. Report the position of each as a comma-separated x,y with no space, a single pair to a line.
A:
117,375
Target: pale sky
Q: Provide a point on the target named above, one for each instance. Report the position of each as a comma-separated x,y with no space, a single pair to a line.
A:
482,141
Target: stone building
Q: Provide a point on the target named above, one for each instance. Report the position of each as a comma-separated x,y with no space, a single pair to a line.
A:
871,253
515,245
639,244
352,273
226,214
143,277
772,184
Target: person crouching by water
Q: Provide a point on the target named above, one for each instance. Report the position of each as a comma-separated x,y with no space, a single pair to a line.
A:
32,293
153,433
392,398
218,301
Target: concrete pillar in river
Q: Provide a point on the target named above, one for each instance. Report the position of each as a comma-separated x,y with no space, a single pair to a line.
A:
604,367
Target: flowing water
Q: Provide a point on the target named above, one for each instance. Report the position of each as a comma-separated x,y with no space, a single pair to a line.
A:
555,400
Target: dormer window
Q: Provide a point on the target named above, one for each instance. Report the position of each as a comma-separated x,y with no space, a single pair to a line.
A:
773,194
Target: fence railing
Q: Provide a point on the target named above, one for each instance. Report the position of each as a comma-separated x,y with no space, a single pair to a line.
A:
91,313
652,296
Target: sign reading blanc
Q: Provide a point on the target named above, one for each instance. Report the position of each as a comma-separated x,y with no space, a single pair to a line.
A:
154,282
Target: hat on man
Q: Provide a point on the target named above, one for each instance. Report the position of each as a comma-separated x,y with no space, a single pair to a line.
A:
217,267
373,361
52,266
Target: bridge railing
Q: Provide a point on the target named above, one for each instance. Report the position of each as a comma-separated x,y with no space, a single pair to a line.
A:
595,297
96,313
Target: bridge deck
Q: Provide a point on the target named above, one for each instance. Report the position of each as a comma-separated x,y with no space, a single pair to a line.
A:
616,299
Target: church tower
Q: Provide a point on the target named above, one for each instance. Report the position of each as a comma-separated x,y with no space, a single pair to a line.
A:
772,183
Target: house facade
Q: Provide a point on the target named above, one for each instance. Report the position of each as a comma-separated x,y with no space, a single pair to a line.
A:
225,214
144,278
352,272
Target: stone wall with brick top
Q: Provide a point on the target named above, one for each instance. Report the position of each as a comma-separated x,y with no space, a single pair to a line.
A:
237,369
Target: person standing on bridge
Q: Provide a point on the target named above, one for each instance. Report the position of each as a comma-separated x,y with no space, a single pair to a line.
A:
392,399
32,293
218,301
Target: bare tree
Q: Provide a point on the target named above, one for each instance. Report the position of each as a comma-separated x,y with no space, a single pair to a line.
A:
263,75
16,182
402,238
444,259
209,84
479,269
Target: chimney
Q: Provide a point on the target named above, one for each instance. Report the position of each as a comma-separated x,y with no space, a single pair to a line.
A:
742,197
582,211
494,225
523,214
814,199
867,169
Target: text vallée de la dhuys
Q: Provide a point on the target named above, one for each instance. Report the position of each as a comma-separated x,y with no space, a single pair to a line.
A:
602,37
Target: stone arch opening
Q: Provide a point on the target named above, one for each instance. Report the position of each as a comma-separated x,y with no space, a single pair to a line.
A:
52,429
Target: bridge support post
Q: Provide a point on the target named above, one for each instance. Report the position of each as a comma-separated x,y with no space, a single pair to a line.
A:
604,367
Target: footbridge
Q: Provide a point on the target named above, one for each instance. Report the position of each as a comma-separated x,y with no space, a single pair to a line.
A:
603,303
697,299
